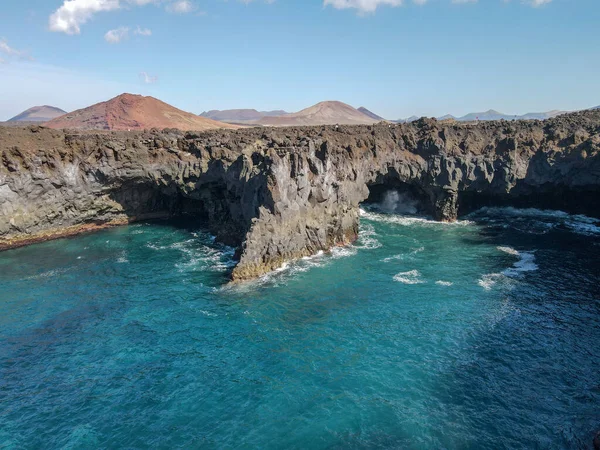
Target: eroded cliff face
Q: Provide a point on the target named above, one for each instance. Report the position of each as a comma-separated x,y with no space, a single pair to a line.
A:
280,194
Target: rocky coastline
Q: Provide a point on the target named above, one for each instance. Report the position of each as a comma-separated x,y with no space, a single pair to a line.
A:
278,194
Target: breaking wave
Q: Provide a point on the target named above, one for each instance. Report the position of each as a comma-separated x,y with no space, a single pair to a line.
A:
489,280
408,220
526,262
410,277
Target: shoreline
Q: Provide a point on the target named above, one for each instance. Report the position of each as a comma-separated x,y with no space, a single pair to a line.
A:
51,235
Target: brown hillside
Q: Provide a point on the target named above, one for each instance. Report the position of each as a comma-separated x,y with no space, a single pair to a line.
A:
324,113
134,112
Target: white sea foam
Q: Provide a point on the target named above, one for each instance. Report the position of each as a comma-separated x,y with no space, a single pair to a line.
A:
316,255
283,267
409,220
526,261
343,252
49,274
444,283
394,258
402,256
410,277
489,280
366,238
509,250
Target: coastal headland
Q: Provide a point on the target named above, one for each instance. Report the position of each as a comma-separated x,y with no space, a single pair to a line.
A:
278,194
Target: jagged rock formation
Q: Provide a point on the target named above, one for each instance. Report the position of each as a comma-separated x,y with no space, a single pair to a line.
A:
280,194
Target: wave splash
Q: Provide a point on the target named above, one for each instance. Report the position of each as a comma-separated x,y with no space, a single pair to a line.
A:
408,220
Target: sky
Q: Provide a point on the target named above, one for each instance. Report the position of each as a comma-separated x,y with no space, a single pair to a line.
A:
398,58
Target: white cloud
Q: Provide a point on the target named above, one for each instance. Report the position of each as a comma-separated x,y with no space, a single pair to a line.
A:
8,50
181,7
362,5
142,31
461,2
12,53
117,35
120,34
536,3
74,13
148,79
2,61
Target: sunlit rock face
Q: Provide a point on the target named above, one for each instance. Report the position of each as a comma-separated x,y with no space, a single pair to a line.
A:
281,194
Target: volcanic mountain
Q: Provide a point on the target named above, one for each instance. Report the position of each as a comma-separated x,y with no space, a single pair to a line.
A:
134,112
240,115
372,115
38,114
324,113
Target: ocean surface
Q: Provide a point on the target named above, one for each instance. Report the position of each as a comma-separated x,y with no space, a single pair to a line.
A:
481,334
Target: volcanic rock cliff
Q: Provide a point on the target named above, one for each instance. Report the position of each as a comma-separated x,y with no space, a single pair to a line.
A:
280,194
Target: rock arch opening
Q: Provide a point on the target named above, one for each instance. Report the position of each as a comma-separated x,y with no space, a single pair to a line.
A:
392,196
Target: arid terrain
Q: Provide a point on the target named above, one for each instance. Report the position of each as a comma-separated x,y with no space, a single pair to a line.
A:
134,112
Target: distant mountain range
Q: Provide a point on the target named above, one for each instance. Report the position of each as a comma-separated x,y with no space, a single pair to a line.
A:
339,113
134,112
495,115
240,115
324,113
38,114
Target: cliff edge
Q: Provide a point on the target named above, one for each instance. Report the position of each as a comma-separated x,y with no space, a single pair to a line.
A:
278,194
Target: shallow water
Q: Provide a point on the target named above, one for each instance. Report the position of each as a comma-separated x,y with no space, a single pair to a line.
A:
480,334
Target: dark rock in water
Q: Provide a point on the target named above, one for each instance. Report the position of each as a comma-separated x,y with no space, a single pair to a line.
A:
597,441
284,193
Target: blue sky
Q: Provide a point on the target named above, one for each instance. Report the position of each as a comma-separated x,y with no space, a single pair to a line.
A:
397,58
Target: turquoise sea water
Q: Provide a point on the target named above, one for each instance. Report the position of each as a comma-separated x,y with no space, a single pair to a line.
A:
481,334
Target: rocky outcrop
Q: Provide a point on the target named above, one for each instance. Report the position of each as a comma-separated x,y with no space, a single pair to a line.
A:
280,194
